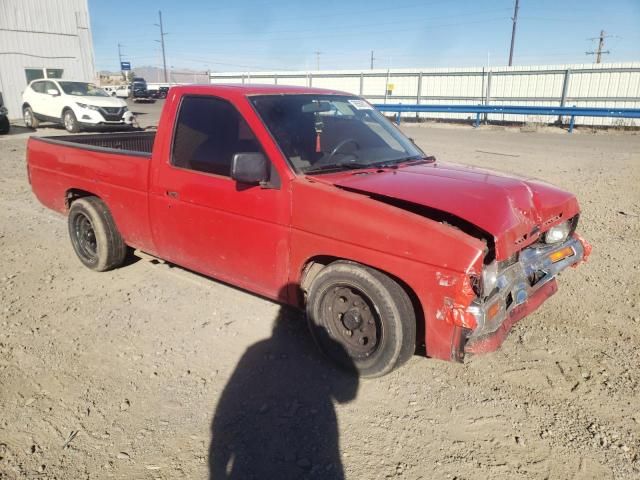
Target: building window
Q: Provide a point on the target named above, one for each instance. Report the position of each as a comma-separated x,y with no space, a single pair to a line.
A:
34,74
54,72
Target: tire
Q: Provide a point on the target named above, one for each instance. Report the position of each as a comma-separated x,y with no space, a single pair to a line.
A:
70,121
30,120
5,126
94,235
361,319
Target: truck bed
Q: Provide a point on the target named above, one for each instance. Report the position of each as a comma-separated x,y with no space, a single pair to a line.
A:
128,143
112,166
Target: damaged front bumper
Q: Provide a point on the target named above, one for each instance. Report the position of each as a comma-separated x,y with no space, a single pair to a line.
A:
521,288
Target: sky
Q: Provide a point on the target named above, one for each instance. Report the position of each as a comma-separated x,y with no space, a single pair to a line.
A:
259,35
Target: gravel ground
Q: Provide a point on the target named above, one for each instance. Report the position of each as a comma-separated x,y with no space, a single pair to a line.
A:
121,374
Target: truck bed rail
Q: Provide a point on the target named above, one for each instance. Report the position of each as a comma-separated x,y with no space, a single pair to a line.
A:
128,143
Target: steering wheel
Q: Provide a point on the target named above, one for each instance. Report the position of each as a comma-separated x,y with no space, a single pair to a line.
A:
337,149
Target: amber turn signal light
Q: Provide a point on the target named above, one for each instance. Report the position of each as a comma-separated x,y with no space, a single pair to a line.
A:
561,254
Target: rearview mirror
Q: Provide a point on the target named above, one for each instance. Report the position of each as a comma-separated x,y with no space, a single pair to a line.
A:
250,168
317,107
53,92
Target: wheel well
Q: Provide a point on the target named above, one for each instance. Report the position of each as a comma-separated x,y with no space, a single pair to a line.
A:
75,193
313,266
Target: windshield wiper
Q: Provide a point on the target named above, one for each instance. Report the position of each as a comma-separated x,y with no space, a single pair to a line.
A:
360,165
413,159
340,166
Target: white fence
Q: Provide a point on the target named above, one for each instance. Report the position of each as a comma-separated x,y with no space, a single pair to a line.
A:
614,85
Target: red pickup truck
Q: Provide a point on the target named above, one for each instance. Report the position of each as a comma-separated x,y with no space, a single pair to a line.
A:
312,198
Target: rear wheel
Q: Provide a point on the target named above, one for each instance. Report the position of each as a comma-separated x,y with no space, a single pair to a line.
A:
30,120
361,318
94,235
70,121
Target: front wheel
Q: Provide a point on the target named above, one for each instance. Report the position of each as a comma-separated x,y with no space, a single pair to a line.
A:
70,122
361,318
94,235
30,120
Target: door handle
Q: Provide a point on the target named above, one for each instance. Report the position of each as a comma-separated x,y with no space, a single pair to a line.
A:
172,194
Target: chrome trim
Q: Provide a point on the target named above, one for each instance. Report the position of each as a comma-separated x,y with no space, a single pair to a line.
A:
515,280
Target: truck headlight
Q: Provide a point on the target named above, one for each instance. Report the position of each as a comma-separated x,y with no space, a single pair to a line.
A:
489,278
557,234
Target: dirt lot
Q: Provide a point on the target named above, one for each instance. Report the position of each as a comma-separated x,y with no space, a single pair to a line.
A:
118,375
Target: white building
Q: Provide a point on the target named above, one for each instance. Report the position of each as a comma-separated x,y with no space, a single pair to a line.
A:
42,39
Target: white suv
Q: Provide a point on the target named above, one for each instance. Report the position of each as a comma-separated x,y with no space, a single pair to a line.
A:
73,104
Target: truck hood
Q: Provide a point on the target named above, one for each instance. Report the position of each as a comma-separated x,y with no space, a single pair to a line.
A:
100,101
511,212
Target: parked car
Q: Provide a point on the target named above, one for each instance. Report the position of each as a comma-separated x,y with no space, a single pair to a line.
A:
5,126
160,92
139,91
120,91
75,105
312,198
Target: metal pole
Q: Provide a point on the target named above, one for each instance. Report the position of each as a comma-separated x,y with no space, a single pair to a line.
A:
419,94
372,59
600,46
513,31
386,87
565,89
164,58
361,83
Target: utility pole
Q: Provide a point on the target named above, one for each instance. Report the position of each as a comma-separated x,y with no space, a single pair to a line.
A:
162,34
513,31
372,59
598,53
124,75
317,59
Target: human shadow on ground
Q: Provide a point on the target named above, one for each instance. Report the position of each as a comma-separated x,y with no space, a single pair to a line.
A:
276,417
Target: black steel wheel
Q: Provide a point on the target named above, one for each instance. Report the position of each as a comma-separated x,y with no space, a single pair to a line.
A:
353,319
85,237
94,235
361,318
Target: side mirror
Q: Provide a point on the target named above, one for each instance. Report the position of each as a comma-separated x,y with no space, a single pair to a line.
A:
250,168
53,92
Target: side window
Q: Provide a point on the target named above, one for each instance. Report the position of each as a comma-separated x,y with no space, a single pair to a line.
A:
38,87
50,86
209,132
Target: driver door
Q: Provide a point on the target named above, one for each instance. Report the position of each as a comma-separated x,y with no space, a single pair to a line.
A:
206,221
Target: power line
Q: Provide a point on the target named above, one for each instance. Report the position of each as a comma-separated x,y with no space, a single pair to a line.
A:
162,34
513,31
598,53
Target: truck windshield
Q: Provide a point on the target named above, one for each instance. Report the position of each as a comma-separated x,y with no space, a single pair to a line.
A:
82,89
326,132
